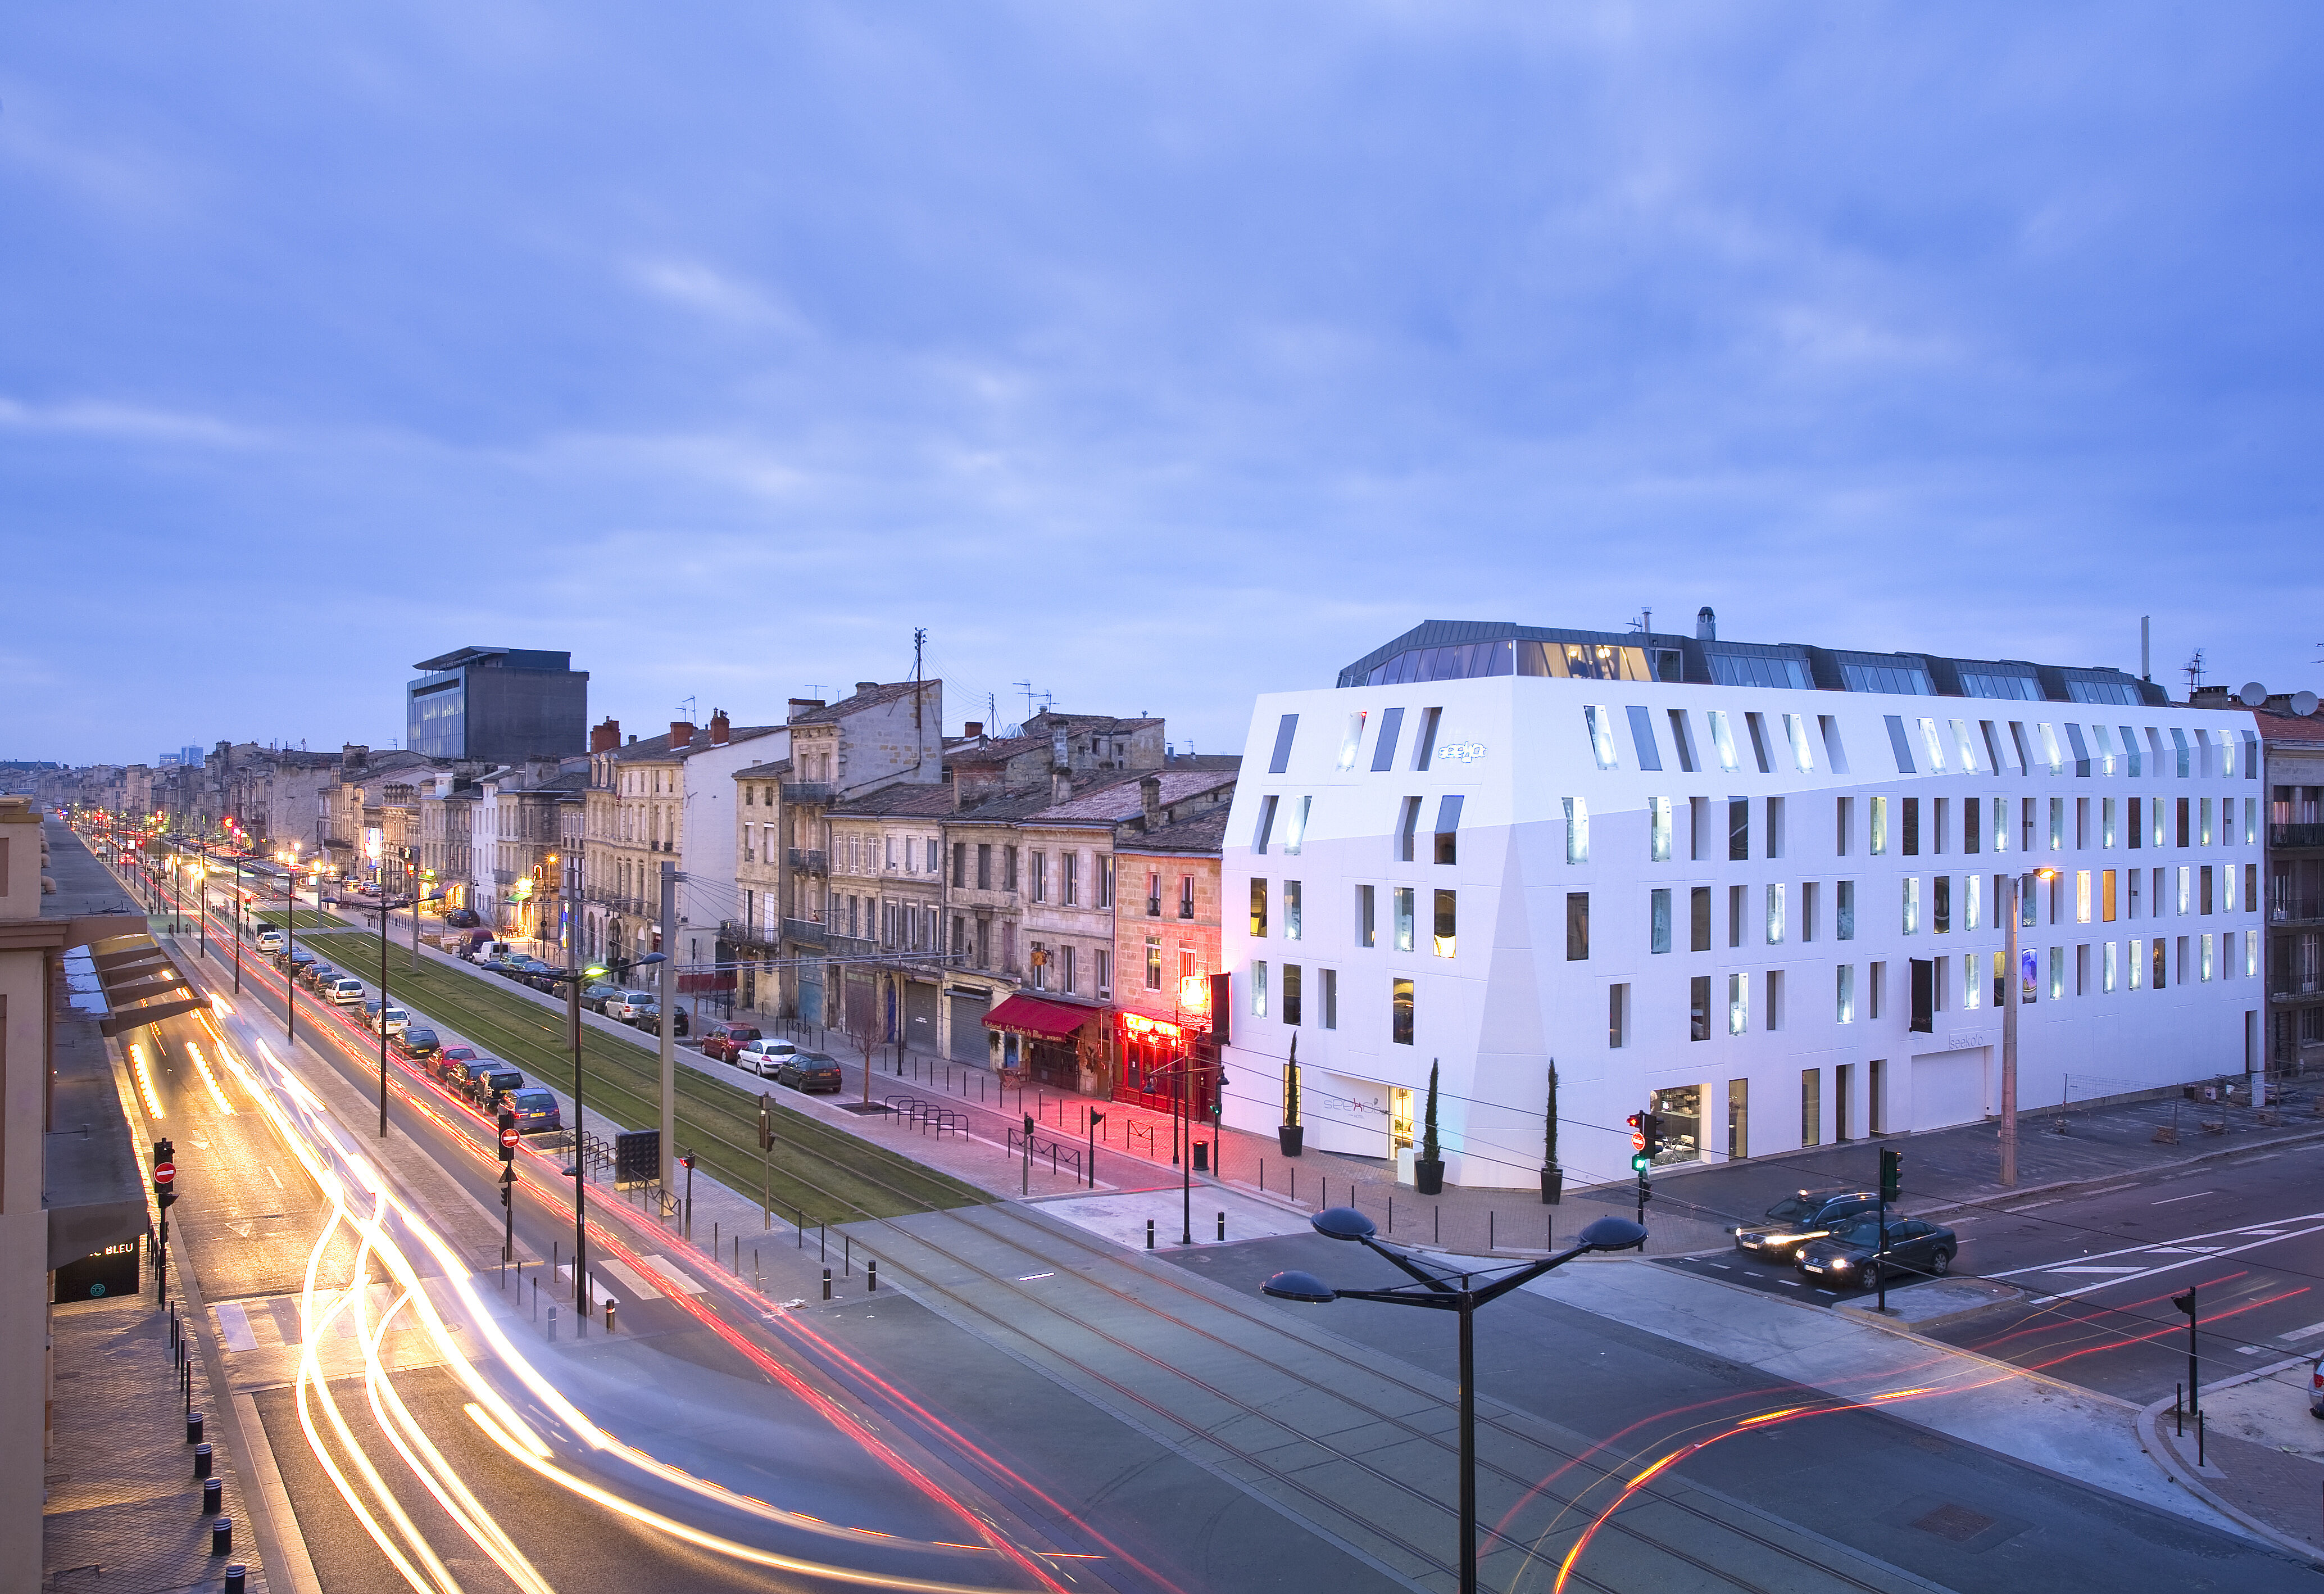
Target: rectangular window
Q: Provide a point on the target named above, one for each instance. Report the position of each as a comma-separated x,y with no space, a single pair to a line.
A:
1104,961
2251,956
1265,831
1911,899
2108,975
1811,897
1835,753
1365,934
1972,902
2106,896
1105,879
1774,998
1699,919
1291,910
1698,840
1938,818
1776,905
1972,813
1399,1009
1259,910
2105,823
1972,982
1400,906
1698,1013
2159,981
1739,1119
984,865
1407,823
1642,736
1723,740
1600,722
1739,1004
2131,878
2081,896
1900,744
1911,844
1153,963
2137,963
2001,824
1775,827
1924,997
1617,1015
2184,806
1796,731
1384,745
1330,997
1658,829
1876,990
1844,910
1658,919
1447,934
1291,993
1810,1107
2203,901
1756,724
1737,907
1285,730
1683,741
1041,876
2204,832
2186,889
2081,824
1879,827
1297,831
1940,902
1352,741
1577,831
1008,868
1258,990
1738,829
1843,822
1185,896
1424,749
1577,926
1844,993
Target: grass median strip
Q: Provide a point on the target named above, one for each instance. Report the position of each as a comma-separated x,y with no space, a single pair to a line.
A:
830,1175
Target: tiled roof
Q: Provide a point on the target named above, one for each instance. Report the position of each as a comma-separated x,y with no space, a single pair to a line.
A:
997,750
832,713
1120,801
657,749
1205,832
903,800
765,772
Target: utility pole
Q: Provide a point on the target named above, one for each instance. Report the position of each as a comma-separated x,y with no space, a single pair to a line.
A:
669,879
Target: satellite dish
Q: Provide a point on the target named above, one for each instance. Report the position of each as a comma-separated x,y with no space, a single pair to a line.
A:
2303,703
2252,695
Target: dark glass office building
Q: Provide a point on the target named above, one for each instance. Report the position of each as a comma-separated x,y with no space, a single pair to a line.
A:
498,703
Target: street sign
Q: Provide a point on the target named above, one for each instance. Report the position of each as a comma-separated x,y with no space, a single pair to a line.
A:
164,1172
509,1137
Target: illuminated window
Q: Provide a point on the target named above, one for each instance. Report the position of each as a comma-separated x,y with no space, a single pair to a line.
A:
1846,993
1962,748
1933,744
1577,831
1259,910
1297,831
1844,910
1600,722
2057,824
2207,957
1401,907
1972,987
1153,963
2107,976
2137,962
2057,972
1739,1004
1795,728
1447,925
1658,829
2048,737
2081,896
2105,823
1775,914
1912,904
1723,739
2251,954
2186,888
1291,910
1258,990
1879,827
2205,829
1399,1003
1352,740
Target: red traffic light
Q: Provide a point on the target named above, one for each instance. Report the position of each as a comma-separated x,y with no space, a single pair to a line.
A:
1638,1122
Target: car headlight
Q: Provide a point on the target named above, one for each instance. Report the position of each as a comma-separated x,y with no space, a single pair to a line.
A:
1839,1265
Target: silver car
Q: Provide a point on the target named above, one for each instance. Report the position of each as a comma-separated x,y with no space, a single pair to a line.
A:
764,1058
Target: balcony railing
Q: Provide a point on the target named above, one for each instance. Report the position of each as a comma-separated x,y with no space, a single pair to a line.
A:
2295,835
810,860
735,934
2293,986
851,946
806,791
805,929
2286,910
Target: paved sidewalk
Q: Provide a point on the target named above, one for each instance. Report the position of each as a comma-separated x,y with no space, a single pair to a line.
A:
2261,1455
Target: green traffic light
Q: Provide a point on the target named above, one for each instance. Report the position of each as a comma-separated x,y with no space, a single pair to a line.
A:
1641,1163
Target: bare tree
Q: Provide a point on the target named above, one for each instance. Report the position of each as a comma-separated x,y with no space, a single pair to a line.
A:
860,1021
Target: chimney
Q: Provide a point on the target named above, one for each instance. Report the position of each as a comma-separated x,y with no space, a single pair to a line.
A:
973,729
1706,624
1061,785
719,727
864,686
1149,800
605,737
800,706
681,735
353,757
633,738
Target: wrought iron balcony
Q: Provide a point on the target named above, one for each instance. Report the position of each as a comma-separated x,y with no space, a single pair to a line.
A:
807,792
737,934
810,860
2295,835
805,929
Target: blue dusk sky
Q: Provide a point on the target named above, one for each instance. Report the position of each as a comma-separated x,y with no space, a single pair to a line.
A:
1158,354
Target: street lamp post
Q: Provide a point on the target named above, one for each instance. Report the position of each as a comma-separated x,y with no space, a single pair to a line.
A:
1436,1288
571,978
2012,993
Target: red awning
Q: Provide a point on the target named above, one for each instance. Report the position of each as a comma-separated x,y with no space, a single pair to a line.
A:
1052,1021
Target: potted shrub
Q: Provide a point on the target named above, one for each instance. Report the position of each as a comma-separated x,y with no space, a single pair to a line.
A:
1428,1167
1291,1133
1553,1177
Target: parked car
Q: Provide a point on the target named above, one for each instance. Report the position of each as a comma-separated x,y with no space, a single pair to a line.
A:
488,1077
490,962
537,1112
417,1043
388,1021
594,996
722,1041
624,1006
296,964
269,938
450,1063
463,919
648,1017
1850,1257
1802,1215
763,1057
808,1071
347,990
2316,1388
313,976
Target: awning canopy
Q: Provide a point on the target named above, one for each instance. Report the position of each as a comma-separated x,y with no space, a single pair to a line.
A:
1052,1021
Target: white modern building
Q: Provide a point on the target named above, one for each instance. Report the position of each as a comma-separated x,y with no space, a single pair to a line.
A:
1757,889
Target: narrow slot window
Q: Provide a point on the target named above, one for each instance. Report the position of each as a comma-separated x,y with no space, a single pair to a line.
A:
1352,741
1577,831
1775,916
1683,741
1722,740
1266,825
1295,833
1384,745
1795,730
1617,1015
1407,823
1577,926
1331,994
1899,744
1658,919
1258,990
1400,900
1698,918
1366,932
1843,911
1400,1004
1259,910
1600,725
1844,993
1756,724
1658,829
1424,749
1285,731
1932,743
1835,752
1879,827
1843,823
1447,932
1739,1004
1448,830
1738,829
1642,736
1291,910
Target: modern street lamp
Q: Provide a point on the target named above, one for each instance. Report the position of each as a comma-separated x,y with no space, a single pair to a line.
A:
1434,1288
571,978
386,907
2013,995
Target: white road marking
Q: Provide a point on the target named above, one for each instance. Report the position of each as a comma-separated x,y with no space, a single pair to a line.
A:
2051,1202
2091,1270
2197,1196
1029,1278
233,1327
679,1279
2165,1267
639,1289
2171,1246
271,1174
2272,1234
2297,1335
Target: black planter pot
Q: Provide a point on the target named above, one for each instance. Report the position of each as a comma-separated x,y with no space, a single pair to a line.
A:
1290,1137
1428,1178
1552,1186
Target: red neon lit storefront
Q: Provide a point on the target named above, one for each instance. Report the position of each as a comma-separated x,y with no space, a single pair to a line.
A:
1150,1050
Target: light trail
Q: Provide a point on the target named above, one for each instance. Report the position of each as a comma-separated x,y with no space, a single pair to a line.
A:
209,1079
360,1201
145,1080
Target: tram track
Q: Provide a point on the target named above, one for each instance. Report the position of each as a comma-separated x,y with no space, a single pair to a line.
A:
1248,1456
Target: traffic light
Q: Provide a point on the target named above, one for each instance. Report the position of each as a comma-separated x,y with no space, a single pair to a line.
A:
508,1135
165,1175
1640,1160
686,1161
1654,1129
1892,1175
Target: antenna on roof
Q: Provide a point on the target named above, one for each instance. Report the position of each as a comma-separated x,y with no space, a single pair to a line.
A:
1645,624
685,707
2193,671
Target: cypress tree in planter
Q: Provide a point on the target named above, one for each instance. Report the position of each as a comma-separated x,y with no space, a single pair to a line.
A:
1553,1177
1428,1167
1291,1133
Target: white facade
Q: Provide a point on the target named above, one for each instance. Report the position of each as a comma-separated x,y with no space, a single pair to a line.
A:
1578,807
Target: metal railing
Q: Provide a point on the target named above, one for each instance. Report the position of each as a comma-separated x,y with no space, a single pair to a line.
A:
2295,835
2284,909
734,932
1057,1151
810,860
806,791
805,929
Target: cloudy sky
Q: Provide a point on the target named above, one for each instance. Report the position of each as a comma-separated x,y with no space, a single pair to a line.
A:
1156,355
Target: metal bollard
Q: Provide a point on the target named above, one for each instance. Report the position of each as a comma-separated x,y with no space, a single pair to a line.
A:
222,1536
609,1305
552,1325
1149,1234
213,1496
201,1460
193,1427
826,1283
1222,1226
871,1276
236,1578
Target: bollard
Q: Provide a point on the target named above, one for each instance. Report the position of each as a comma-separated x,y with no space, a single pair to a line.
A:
609,1305
202,1460
222,1536
552,1325
193,1427
213,1496
236,1577
1149,1234
872,1275
1222,1226
826,1283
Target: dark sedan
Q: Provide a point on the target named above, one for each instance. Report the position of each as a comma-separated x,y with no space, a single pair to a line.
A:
1802,1215
1850,1257
647,1018
417,1043
809,1071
